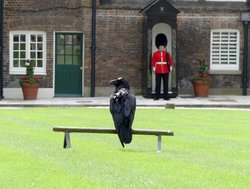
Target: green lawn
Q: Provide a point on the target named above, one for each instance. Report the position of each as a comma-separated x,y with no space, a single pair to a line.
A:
210,149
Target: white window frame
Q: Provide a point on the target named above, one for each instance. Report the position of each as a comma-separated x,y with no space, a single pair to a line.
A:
217,51
22,70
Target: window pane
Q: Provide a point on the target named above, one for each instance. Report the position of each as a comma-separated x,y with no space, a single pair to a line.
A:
60,39
77,39
39,55
60,49
60,59
39,63
76,60
16,38
40,46
33,38
16,46
22,46
68,39
68,49
32,46
39,38
22,55
22,63
32,55
15,63
77,50
23,38
68,60
16,54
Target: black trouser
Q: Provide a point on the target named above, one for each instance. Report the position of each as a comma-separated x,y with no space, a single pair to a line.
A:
158,85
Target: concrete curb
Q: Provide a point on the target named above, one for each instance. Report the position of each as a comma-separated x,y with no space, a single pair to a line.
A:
233,102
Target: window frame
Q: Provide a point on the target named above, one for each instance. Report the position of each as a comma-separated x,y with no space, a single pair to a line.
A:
224,67
22,70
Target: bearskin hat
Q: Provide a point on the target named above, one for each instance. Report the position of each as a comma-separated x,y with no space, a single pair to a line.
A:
161,39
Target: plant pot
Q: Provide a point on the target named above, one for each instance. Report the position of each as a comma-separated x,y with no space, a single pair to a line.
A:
30,91
201,88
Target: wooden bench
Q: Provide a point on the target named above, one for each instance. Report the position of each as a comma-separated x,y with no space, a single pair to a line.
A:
68,130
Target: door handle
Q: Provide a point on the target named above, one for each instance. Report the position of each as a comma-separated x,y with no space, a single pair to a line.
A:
80,68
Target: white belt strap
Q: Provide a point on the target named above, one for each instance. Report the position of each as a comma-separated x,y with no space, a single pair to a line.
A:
161,62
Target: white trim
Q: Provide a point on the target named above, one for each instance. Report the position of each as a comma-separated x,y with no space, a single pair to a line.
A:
83,45
22,70
224,49
54,61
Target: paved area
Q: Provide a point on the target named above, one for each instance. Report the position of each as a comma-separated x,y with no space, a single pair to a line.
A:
242,102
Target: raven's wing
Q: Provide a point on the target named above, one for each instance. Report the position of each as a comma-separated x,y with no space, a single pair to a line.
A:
130,107
128,113
115,108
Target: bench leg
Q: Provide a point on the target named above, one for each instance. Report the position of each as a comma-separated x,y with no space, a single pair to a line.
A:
159,144
66,143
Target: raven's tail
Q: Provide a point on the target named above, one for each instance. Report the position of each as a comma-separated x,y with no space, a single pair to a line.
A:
121,142
125,135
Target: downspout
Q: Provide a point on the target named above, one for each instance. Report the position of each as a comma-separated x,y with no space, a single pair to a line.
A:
1,50
93,48
245,63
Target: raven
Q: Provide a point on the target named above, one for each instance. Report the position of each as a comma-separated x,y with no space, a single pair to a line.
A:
122,107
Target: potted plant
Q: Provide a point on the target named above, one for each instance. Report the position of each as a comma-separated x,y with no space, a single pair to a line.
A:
29,83
202,79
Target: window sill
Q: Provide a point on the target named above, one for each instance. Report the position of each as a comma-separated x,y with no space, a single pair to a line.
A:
23,73
225,72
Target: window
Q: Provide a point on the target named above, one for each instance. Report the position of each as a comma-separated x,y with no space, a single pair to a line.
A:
68,48
224,50
27,45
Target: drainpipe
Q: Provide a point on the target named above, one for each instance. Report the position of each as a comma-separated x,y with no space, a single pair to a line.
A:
93,48
245,63
1,50
245,18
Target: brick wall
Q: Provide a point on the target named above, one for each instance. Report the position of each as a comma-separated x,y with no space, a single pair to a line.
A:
119,46
119,37
194,43
48,16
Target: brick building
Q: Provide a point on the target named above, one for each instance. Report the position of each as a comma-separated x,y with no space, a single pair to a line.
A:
79,45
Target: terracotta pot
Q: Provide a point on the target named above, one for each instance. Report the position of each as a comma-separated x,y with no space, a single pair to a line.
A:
30,91
201,88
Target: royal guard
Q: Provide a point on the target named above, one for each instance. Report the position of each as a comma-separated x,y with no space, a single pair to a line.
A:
162,65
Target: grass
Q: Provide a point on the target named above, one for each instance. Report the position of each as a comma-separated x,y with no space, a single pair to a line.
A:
210,149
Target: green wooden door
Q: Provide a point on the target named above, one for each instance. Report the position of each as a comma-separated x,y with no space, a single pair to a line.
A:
68,64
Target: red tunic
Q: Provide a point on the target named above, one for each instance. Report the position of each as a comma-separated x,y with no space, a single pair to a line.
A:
159,62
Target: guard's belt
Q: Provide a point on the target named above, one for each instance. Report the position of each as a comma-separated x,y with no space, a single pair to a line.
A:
161,62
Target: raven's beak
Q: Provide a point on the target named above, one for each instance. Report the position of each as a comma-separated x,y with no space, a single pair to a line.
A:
113,82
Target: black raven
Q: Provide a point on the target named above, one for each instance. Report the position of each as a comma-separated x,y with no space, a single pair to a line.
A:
122,107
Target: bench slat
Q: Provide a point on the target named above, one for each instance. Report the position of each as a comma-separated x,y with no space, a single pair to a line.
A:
84,130
67,130
111,131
